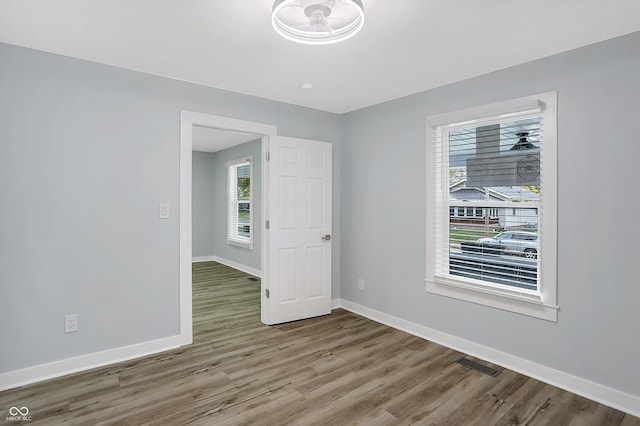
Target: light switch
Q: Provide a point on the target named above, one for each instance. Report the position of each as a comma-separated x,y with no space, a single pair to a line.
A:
164,211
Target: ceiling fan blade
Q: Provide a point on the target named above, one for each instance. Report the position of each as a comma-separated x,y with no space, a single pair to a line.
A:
328,28
329,18
297,8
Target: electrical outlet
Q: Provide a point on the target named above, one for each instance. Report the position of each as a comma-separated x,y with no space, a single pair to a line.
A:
360,284
71,323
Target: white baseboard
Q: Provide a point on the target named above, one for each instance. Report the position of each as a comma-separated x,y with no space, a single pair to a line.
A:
38,373
203,259
613,398
230,263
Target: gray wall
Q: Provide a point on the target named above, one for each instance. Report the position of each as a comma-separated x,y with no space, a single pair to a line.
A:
203,208
210,204
596,336
221,248
87,153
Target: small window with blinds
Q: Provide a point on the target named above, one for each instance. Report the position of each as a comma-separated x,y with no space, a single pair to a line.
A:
240,199
491,219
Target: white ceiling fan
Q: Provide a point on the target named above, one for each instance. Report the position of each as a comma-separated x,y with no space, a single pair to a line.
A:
317,21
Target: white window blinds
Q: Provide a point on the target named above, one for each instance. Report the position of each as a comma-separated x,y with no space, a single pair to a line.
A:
491,175
486,200
240,198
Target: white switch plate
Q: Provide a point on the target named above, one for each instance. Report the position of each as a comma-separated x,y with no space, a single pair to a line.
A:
71,323
360,284
164,211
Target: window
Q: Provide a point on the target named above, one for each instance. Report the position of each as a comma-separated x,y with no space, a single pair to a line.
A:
503,159
240,199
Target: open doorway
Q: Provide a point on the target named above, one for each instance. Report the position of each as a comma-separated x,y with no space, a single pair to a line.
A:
296,208
219,138
226,236
226,198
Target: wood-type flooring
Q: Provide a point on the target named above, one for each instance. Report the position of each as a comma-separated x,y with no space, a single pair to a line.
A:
340,369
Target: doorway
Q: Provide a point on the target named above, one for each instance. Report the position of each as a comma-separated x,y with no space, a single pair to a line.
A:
296,208
226,198
229,132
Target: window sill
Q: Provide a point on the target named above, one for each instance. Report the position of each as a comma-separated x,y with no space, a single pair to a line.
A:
521,303
241,244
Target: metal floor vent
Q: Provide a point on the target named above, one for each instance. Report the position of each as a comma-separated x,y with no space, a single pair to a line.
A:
253,279
478,367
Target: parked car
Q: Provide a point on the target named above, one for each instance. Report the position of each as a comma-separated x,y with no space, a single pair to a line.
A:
515,242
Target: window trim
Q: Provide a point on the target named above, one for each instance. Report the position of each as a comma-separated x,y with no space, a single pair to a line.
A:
542,303
235,240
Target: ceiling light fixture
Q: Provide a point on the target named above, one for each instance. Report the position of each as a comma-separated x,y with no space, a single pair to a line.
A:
317,21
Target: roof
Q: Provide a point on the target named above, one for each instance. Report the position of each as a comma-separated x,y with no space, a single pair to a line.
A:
472,194
458,191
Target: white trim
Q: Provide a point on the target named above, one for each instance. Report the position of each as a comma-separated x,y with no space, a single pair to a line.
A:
187,120
264,302
186,308
505,300
38,373
227,123
248,159
600,393
235,265
200,259
241,244
511,110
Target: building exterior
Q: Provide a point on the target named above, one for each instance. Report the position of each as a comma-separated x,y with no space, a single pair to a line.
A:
499,218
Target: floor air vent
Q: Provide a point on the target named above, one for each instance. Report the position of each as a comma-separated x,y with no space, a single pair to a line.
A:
252,279
478,367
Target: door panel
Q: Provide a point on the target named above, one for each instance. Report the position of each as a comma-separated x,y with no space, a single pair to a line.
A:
299,214
288,203
315,275
287,277
315,196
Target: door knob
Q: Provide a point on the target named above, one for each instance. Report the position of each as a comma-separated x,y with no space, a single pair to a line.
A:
327,237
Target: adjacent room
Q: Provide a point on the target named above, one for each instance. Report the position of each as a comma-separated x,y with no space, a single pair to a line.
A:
319,212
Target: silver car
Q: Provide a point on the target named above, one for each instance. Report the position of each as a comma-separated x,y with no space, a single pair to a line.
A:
516,242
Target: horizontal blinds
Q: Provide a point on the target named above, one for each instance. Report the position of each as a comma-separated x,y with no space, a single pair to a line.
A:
489,191
239,201
244,170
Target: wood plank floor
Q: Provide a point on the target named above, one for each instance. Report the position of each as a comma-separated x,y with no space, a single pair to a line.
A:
340,369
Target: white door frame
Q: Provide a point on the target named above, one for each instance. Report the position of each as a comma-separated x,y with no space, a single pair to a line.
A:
187,120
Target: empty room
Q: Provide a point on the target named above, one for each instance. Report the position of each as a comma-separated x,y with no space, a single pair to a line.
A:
319,212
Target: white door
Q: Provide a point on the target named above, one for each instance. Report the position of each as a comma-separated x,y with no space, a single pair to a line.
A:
298,241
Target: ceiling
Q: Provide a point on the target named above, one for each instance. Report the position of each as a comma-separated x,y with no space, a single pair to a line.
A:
208,139
406,46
